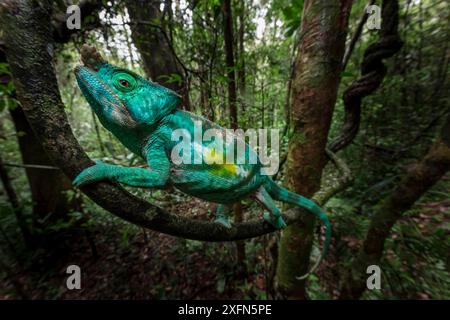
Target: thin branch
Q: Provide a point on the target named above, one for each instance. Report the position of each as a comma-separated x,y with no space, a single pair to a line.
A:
356,35
15,204
30,166
322,196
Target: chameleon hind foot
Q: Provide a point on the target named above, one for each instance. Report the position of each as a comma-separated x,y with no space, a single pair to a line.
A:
224,221
274,217
222,217
276,222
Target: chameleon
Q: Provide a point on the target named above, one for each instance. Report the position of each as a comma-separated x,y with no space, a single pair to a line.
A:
142,115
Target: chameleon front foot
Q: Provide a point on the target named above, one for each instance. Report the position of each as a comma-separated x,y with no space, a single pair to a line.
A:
276,222
222,220
95,173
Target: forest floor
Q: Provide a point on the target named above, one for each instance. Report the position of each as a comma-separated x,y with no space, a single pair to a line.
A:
118,263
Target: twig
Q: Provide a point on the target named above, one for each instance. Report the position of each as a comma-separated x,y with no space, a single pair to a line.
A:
30,166
356,35
15,203
322,196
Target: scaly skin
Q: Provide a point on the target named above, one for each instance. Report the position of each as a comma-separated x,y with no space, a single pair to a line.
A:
143,116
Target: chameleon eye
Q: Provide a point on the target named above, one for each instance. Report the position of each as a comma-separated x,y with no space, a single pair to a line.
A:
124,81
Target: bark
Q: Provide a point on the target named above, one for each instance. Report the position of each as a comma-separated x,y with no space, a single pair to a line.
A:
318,67
414,184
229,55
241,35
27,44
154,47
241,255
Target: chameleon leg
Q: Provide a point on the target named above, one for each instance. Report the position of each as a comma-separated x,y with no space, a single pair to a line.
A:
136,177
274,218
221,215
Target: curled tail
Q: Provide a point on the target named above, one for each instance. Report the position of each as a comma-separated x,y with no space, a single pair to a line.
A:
282,194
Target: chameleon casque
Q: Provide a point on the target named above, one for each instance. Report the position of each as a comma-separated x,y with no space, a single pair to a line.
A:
142,115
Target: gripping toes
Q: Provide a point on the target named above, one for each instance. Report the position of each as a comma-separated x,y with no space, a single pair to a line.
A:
274,217
92,174
276,222
224,221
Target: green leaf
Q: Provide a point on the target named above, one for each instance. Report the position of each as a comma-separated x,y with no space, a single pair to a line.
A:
346,74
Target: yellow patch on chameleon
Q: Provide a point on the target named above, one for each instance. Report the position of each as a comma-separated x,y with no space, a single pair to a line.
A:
214,157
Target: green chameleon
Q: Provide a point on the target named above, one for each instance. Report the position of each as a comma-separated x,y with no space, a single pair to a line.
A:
143,115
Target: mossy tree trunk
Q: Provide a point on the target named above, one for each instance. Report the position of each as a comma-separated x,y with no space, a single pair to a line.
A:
318,67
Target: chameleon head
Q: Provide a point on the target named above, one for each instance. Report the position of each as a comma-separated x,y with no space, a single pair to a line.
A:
119,97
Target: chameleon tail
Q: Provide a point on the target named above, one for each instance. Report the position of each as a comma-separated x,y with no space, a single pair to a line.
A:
282,194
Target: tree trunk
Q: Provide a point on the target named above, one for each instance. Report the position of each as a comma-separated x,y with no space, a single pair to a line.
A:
17,208
231,79
314,89
241,35
47,186
229,55
157,54
414,184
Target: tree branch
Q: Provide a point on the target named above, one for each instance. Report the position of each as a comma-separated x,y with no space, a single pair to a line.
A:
373,71
27,43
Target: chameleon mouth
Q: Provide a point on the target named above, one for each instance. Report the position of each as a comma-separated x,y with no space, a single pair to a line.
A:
98,93
86,87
